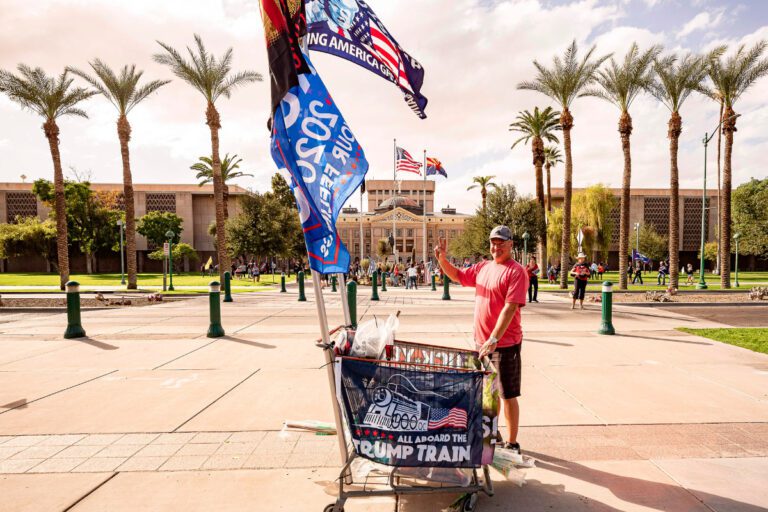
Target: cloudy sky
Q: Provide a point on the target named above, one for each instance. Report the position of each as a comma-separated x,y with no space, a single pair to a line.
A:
474,53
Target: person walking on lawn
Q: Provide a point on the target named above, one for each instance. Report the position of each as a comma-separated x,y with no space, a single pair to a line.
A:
500,286
580,273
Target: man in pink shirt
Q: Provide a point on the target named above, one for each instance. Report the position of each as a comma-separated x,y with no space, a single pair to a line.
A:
500,291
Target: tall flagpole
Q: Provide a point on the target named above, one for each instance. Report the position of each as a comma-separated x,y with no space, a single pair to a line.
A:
424,215
394,181
361,226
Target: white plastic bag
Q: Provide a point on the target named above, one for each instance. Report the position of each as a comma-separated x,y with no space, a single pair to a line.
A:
373,336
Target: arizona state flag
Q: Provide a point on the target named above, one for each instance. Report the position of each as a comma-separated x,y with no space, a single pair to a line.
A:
284,23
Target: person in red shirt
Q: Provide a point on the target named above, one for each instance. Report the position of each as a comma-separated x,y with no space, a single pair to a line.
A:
533,279
500,288
580,273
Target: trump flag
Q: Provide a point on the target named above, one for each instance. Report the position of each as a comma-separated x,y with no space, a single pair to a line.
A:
351,30
311,140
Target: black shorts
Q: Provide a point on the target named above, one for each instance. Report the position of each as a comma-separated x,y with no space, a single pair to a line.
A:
579,288
507,362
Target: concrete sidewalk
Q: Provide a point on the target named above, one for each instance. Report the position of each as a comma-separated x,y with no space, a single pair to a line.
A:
149,414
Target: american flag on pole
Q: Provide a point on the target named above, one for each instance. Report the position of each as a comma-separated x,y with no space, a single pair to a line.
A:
440,418
406,163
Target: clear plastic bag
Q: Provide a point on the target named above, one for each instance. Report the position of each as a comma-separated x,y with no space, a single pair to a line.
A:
372,337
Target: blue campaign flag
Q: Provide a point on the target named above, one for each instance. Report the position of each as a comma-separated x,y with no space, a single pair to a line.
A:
311,140
351,30
639,256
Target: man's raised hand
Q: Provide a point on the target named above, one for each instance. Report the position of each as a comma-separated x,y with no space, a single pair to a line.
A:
441,249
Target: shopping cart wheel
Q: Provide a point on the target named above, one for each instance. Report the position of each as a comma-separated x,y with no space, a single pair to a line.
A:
329,508
470,503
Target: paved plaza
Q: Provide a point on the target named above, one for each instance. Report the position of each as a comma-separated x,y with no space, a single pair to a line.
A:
147,414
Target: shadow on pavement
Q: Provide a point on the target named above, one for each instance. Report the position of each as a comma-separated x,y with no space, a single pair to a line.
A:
247,342
97,344
664,339
546,342
18,404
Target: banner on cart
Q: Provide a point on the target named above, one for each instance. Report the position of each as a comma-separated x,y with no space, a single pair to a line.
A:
413,418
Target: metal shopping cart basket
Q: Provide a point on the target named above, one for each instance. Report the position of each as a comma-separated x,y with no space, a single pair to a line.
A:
417,414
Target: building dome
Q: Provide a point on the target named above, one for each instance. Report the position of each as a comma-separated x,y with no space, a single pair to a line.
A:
400,202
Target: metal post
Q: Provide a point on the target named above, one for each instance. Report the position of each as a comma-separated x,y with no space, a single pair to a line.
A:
374,286
282,282
526,237
170,265
446,286
300,280
344,299
122,258
227,286
352,301
165,274
702,282
736,238
74,326
383,280
333,283
215,330
362,241
434,277
607,326
424,214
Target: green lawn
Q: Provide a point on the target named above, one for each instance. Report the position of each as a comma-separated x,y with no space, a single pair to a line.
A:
144,280
752,338
746,281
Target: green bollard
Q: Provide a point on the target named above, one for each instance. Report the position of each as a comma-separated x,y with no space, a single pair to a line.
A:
333,283
74,327
607,325
446,285
352,300
215,330
300,279
383,281
282,282
374,286
227,287
434,288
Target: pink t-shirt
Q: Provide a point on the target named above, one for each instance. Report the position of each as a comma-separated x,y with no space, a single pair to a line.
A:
496,284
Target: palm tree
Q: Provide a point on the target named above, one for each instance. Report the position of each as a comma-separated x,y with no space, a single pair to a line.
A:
732,77
204,170
552,157
212,78
675,81
51,98
537,127
564,82
124,93
484,182
620,84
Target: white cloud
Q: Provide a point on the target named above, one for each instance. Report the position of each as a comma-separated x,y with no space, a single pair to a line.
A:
701,21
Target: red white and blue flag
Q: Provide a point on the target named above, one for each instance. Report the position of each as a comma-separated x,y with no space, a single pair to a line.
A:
404,162
435,166
441,418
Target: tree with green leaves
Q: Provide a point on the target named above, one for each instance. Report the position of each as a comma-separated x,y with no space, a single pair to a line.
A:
731,77
124,93
537,127
51,98
154,225
91,218
484,183
229,172
179,252
675,80
592,210
750,217
213,78
28,237
652,243
264,227
564,82
282,191
552,157
620,84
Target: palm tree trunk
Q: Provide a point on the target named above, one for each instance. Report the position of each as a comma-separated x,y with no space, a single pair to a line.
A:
213,120
566,122
483,194
719,145
225,196
729,126
549,188
51,130
124,134
538,162
625,130
675,128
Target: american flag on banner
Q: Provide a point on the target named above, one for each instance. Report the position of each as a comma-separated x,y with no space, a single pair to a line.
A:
389,55
440,418
404,162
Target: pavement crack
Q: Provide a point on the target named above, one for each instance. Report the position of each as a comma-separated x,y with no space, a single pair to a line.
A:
184,355
81,498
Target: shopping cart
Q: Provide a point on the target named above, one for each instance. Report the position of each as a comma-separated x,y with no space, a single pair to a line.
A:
384,407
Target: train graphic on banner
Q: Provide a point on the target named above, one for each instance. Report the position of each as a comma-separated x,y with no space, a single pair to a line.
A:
394,411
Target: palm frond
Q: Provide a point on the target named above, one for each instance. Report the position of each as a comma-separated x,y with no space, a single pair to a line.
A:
49,97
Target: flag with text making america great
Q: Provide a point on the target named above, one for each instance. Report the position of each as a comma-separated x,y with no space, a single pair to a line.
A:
351,30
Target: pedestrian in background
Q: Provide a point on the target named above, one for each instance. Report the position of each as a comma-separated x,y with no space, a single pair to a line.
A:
533,279
580,273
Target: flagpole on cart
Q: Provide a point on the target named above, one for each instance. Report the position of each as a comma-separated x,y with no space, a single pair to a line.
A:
361,223
424,217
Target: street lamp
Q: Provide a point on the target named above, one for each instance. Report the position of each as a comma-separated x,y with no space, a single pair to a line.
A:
120,225
169,235
736,237
637,237
707,137
526,237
